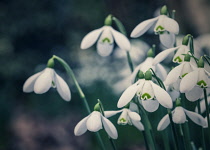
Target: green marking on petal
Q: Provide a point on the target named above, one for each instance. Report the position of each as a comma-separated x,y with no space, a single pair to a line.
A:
202,84
106,40
184,75
160,29
178,59
146,96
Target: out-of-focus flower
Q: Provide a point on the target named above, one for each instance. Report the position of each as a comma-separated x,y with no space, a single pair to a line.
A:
107,36
42,81
94,122
179,117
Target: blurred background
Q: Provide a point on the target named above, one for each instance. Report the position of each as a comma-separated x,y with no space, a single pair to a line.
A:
32,31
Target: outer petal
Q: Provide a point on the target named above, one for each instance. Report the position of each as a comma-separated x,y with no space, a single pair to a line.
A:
44,81
81,127
143,27
179,116
121,40
161,56
171,25
167,39
188,82
138,125
62,88
162,96
174,75
134,73
90,38
164,122
94,122
133,107
196,118
134,116
150,105
108,114
29,84
161,72
104,49
127,95
194,94
110,128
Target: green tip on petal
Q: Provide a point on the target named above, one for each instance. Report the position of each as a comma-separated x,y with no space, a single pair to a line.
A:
164,10
178,102
108,20
140,75
185,40
187,58
148,75
50,63
150,53
97,107
201,63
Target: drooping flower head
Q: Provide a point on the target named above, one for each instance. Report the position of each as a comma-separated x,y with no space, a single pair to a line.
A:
106,37
42,81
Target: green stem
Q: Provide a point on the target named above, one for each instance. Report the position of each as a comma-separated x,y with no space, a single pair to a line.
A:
207,110
202,130
130,63
175,139
182,137
81,94
191,45
102,112
207,59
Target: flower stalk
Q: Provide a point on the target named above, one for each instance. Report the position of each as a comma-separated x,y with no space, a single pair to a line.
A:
207,110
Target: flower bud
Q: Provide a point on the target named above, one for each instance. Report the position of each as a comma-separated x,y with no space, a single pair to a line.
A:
164,10
50,63
187,58
97,107
140,75
178,102
148,75
108,20
201,63
150,53
185,40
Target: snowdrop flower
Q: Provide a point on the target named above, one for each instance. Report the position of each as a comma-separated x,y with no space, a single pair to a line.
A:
148,92
202,103
179,117
106,35
194,82
146,65
206,126
94,122
180,71
128,116
172,91
42,81
164,26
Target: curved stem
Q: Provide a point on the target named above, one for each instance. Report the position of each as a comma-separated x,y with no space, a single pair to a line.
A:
79,90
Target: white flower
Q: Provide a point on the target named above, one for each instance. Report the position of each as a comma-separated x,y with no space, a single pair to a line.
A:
179,72
128,116
149,93
42,81
164,24
179,117
202,103
206,126
172,91
94,122
107,35
146,65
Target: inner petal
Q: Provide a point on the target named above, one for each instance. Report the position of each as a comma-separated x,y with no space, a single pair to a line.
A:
147,91
106,37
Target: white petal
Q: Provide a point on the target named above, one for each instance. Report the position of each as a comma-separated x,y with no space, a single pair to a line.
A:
110,128
164,122
134,73
161,72
194,94
29,84
81,127
167,39
162,96
127,95
147,64
90,38
143,27
173,75
162,55
44,81
138,125
150,105
134,116
121,40
62,88
188,82
179,57
203,105
108,114
94,122
147,91
178,115
196,118
174,95
171,25
133,107
104,49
